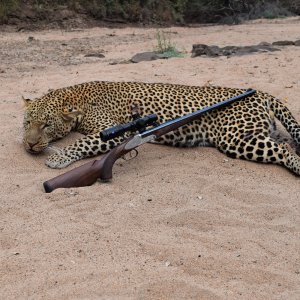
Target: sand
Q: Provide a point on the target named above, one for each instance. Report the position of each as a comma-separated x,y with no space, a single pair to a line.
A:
173,223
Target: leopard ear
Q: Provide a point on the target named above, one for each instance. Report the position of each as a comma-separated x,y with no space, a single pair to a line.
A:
69,116
26,101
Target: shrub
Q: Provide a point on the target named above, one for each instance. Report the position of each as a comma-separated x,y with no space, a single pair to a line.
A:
165,46
160,11
7,7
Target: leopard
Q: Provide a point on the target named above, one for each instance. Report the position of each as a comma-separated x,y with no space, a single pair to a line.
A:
241,130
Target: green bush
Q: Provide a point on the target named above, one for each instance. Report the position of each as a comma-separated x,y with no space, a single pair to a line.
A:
165,46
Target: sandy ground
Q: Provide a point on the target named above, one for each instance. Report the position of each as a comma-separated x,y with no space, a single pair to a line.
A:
173,223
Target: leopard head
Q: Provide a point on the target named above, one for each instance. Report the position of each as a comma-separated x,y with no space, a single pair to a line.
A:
47,119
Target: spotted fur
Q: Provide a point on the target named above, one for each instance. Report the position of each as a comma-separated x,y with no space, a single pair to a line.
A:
241,130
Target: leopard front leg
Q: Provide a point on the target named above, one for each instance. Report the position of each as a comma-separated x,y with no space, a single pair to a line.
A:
87,146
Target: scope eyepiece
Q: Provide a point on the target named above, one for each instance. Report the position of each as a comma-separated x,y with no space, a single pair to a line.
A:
139,124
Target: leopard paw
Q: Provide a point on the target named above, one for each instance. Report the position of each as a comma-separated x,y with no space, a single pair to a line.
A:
58,161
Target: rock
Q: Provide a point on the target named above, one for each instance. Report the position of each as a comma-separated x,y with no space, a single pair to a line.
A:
256,48
264,44
213,51
199,49
144,56
202,49
117,62
229,50
297,43
99,55
283,43
266,48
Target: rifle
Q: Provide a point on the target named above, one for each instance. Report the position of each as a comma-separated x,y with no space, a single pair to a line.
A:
88,173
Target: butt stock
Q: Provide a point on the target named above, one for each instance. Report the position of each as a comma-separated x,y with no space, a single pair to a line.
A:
88,173
84,175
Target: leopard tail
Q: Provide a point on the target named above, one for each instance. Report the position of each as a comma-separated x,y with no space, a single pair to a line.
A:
283,114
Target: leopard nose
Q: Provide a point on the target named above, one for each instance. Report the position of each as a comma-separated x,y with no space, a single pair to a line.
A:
31,145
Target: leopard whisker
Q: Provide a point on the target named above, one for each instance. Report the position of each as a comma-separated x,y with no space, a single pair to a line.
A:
52,148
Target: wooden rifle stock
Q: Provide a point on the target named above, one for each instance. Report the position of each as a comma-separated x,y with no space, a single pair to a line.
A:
88,173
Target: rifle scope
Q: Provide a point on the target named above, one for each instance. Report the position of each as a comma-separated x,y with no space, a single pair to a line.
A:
139,124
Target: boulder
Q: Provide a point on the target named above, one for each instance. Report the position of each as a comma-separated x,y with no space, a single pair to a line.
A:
144,56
